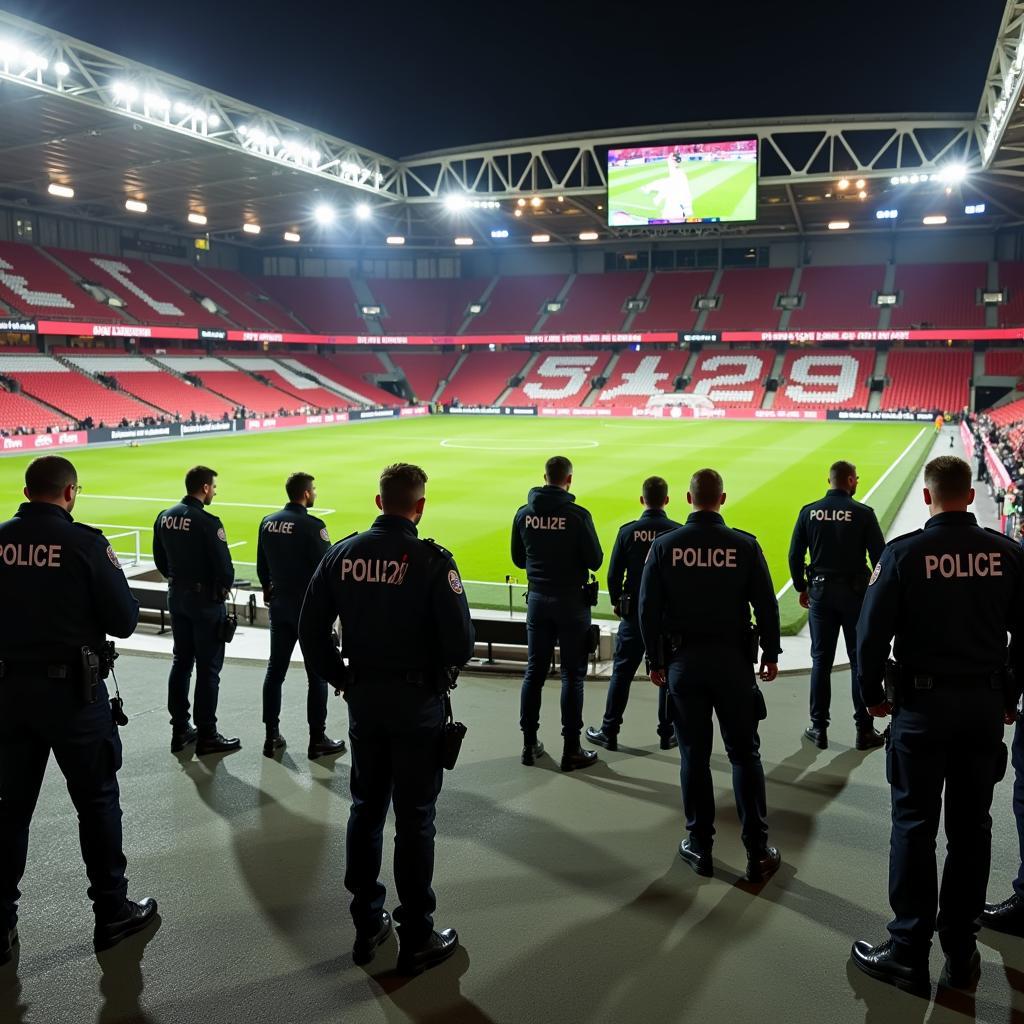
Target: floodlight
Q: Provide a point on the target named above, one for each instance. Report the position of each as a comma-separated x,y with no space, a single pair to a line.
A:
463,240
520,201
887,214
935,218
136,205
894,180
862,194
838,225
33,62
324,214
953,174
250,228
197,218
125,91
860,183
369,311
213,121
475,308
64,191
519,213
588,236
363,211
292,236
499,233
844,184
183,108
455,203
993,298
8,51
62,69
540,239
395,240
975,208
155,100
536,201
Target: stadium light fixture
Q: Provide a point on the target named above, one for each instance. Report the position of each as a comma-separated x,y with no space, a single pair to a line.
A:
250,228
519,213
63,191
455,203
540,239
292,236
213,121
536,201
499,233
887,214
156,101
838,225
588,236
860,183
520,201
974,208
125,91
934,219
862,194
463,240
62,69
395,239
33,61
363,211
197,218
843,184
324,214
953,174
136,206
475,308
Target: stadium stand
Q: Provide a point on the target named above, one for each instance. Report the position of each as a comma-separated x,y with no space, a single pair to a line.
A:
425,370
247,392
595,302
671,296
941,294
823,378
748,299
515,305
483,376
148,296
173,395
299,386
838,297
1004,363
559,379
1011,277
1007,415
640,376
731,379
251,294
198,285
425,306
347,372
328,305
33,285
921,379
19,413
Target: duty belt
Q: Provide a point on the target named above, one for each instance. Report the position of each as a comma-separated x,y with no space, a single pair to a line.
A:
835,577
187,585
53,670
936,681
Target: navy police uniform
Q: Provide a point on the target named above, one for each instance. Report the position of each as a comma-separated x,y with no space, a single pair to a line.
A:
554,540
61,588
697,589
949,593
404,618
837,531
625,568
290,545
190,548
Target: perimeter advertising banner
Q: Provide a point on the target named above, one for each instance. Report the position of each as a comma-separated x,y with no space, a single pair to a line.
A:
43,442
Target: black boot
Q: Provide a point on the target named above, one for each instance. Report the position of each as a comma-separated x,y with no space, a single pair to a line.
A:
818,735
438,948
603,738
134,918
273,743
868,737
531,751
181,738
698,856
962,971
366,943
215,743
762,864
8,940
668,741
883,963
321,745
576,757
1006,917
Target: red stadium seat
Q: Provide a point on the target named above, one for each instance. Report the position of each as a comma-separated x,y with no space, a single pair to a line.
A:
349,372
671,297
515,305
825,378
425,306
595,302
33,285
328,305
838,297
559,379
731,378
483,376
927,379
748,299
942,294
251,293
637,377
425,370
1004,362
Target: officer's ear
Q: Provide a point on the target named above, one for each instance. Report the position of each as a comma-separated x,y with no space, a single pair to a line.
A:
379,505
928,497
722,499
970,496
689,498
419,505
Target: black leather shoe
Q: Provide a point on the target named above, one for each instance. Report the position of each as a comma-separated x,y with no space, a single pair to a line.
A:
608,740
962,971
763,864
434,951
668,742
136,917
699,858
324,746
181,738
365,946
8,940
880,962
1006,917
272,744
578,758
531,751
818,736
217,744
869,738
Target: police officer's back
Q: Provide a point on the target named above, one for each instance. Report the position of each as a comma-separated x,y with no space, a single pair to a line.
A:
290,545
837,532
404,626
625,568
554,540
698,587
190,548
948,594
61,592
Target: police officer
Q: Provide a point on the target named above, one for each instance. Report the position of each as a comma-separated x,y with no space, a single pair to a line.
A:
405,627
1008,916
696,592
190,548
61,592
554,540
625,568
289,548
838,531
949,593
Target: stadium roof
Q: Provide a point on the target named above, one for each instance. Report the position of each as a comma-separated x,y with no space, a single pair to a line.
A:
114,130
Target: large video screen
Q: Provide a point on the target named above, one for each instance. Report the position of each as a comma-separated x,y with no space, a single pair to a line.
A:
683,183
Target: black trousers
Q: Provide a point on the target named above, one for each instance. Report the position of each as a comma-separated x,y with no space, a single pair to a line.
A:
284,634
195,627
38,716
706,679
1018,800
835,606
395,733
629,653
945,748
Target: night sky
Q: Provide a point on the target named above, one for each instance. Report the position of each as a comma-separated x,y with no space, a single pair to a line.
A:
406,78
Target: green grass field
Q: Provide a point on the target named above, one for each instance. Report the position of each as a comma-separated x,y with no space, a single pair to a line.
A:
727,190
480,471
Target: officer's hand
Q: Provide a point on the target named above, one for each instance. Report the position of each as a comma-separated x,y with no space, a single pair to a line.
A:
805,599
615,608
1010,716
659,676
769,670
882,710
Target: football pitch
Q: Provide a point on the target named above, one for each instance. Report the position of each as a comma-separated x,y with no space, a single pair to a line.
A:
480,471
724,189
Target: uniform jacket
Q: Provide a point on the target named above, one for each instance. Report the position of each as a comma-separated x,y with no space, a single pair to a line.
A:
633,541
288,550
554,540
189,545
61,586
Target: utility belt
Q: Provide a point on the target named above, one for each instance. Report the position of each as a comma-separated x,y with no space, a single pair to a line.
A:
747,637
856,580
903,680
226,629
587,592
85,666
192,587
435,680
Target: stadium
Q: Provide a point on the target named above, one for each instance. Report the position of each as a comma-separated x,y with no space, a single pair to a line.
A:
187,278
